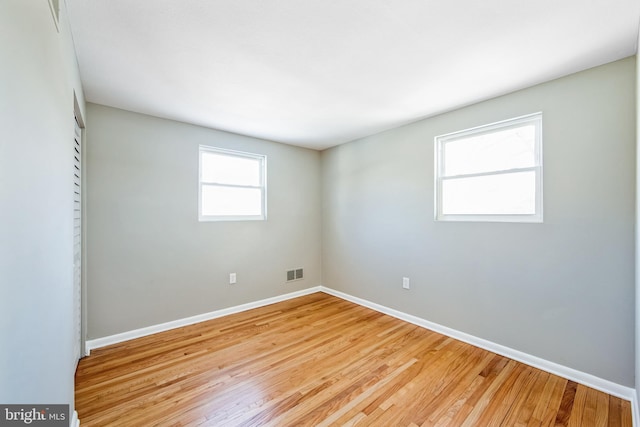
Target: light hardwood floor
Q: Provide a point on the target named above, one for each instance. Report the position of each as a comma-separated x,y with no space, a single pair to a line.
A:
317,361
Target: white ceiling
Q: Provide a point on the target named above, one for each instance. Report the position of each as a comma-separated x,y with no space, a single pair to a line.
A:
317,73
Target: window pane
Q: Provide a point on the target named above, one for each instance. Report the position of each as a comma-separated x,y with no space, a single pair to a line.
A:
224,169
231,201
494,151
504,194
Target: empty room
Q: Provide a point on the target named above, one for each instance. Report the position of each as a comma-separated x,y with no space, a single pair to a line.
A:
286,213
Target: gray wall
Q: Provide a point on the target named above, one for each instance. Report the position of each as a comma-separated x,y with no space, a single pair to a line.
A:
637,266
38,78
150,260
562,290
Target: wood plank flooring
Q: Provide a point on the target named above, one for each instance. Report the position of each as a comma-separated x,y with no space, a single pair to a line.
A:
321,361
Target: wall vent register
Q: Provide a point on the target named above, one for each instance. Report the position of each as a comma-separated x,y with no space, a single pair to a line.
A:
295,274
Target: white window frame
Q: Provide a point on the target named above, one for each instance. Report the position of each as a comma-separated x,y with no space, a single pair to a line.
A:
262,187
530,119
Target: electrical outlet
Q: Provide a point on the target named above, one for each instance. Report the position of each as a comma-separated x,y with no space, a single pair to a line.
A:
232,278
406,283
291,275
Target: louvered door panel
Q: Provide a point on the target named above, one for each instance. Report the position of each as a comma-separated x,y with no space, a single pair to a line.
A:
77,241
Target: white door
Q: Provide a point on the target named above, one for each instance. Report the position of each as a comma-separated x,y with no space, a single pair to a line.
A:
77,241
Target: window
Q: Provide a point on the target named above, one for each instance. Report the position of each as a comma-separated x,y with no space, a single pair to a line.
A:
490,173
232,185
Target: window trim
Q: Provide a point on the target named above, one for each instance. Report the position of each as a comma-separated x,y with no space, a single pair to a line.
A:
441,140
262,158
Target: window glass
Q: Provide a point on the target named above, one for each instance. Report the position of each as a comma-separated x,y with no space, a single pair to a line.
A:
502,150
225,169
491,194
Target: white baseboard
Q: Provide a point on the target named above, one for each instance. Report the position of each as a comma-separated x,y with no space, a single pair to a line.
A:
137,333
75,422
634,409
589,380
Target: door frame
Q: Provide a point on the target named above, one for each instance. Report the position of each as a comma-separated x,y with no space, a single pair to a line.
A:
77,111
